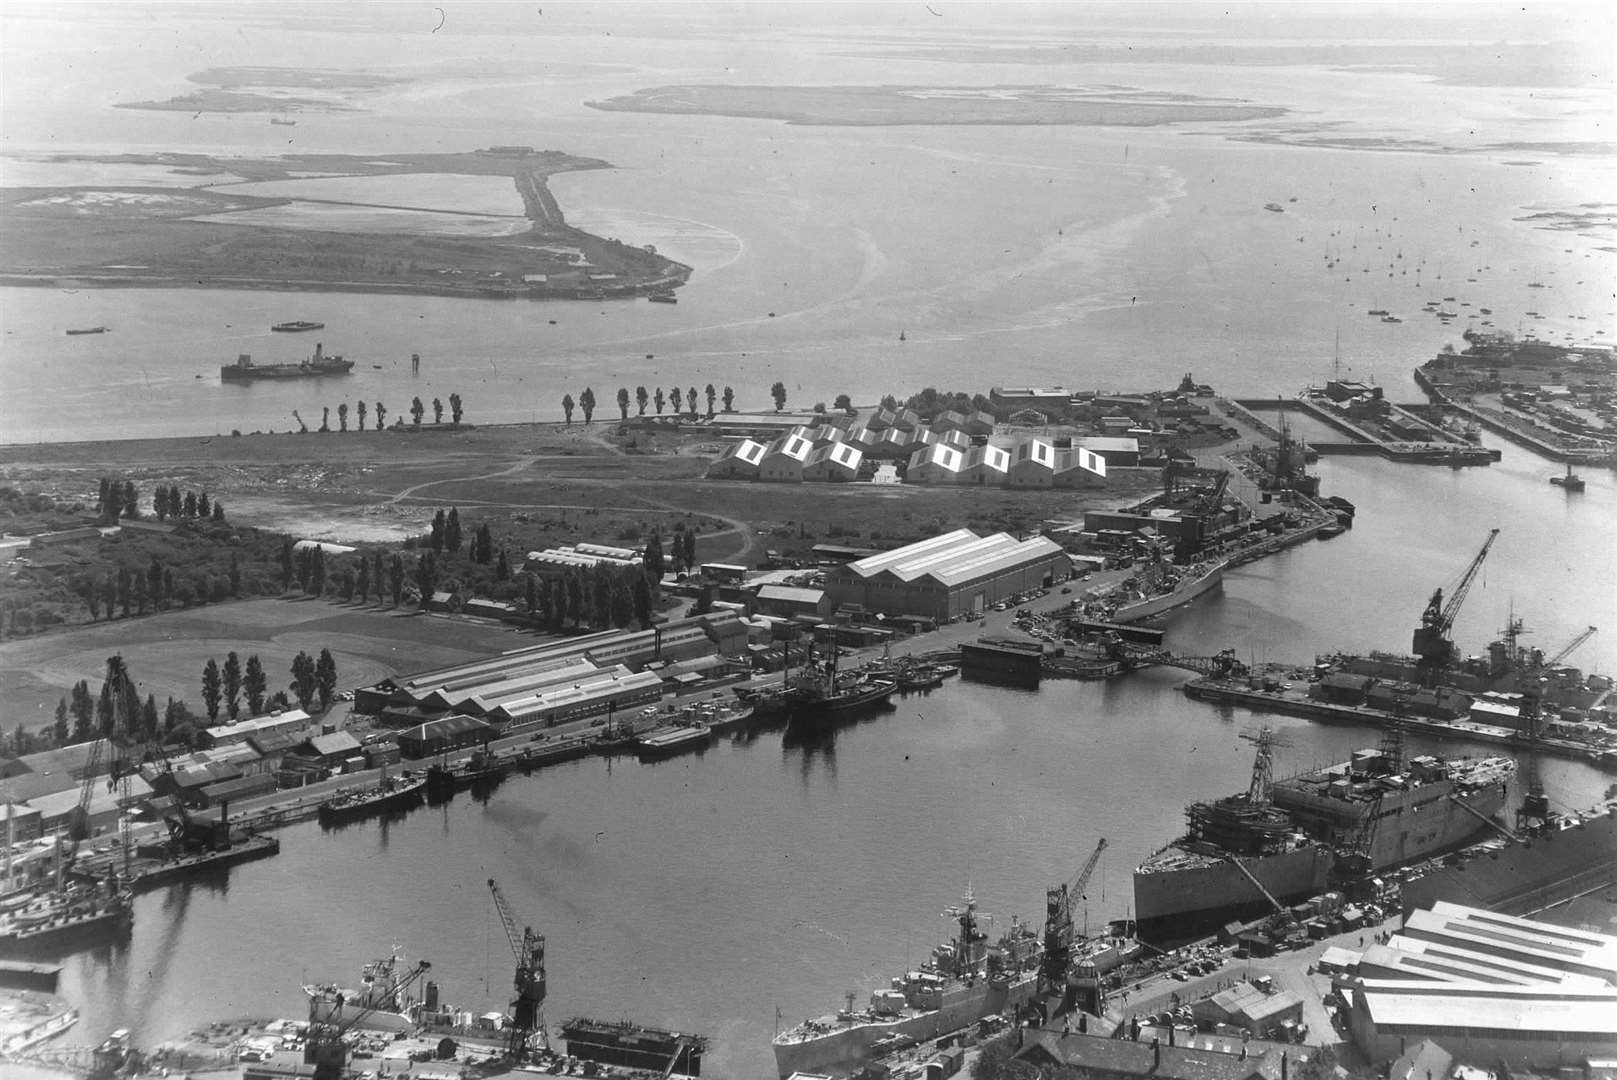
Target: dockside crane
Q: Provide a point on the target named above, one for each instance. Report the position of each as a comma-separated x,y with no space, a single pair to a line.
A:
328,1023
1570,647
527,1009
1432,646
1058,929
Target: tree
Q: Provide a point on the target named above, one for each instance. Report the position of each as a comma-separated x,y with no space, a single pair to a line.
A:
359,409
426,576
778,392
124,596
483,545
676,396
623,402
256,684
82,706
342,416
690,549
586,402
417,410
92,598
60,730
567,406
109,595
376,574
210,689
452,535
232,685
303,683
381,415
347,579
396,578
176,504
888,401
641,596
436,541
317,570
652,560
690,400
103,500
203,508
363,585
154,581
437,410
844,403
530,589
131,500
455,412
325,678
659,399
712,395
729,400
160,503
289,563
325,418
235,567
502,568
190,505
148,716
641,398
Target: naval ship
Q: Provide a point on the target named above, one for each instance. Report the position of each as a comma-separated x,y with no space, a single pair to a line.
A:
1283,841
964,981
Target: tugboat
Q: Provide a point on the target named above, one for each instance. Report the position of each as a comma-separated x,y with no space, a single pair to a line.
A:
1570,482
820,690
88,330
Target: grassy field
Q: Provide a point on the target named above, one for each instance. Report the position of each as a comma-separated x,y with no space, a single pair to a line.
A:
166,653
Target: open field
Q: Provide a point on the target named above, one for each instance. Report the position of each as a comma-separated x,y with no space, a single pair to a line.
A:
166,653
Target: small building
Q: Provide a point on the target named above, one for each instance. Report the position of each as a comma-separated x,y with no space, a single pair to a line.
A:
900,419
445,601
968,424
785,459
328,751
1245,1006
985,466
285,720
225,792
936,464
785,601
1116,451
740,461
1341,688
1497,713
1007,398
1079,467
1033,464
834,462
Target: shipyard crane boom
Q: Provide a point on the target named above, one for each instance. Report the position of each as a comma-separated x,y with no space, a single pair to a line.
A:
1058,931
527,1009
1570,647
325,1049
1431,642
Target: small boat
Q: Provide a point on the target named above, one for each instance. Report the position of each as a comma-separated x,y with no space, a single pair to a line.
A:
297,326
88,330
901,336
1376,311
1391,319
663,296
1570,482
281,121
1275,207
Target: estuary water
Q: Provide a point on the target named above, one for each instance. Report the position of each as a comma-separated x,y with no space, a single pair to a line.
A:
706,892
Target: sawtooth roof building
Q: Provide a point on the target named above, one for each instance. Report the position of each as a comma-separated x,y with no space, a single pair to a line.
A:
954,574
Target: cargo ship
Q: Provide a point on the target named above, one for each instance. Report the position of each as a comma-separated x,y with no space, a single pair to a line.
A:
634,1046
390,793
1283,841
297,326
317,366
965,980
88,330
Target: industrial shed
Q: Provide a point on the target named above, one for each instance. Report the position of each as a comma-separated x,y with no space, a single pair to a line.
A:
936,464
949,575
443,735
785,458
834,462
739,461
1033,464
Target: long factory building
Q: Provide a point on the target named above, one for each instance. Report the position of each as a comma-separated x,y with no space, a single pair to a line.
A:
947,576
558,681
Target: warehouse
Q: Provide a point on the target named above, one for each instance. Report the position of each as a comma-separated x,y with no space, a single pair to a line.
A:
936,464
739,461
1033,464
953,574
785,458
837,462
1078,467
443,735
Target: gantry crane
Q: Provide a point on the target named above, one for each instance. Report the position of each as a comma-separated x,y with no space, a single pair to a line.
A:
1432,646
325,1048
1058,931
527,1010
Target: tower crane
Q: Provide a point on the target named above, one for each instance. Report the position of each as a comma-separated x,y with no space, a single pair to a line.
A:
1058,931
1432,646
527,1009
325,1049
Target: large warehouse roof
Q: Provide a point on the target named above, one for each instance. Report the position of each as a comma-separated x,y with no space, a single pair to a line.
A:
955,557
1472,1006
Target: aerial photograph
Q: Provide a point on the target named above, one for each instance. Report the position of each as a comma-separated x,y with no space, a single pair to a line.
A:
819,539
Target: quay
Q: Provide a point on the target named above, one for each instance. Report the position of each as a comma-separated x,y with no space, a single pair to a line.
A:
1296,702
1431,444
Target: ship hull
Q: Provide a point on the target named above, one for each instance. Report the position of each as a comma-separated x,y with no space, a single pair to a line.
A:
1409,826
403,797
1185,902
844,1047
1156,605
1525,876
234,373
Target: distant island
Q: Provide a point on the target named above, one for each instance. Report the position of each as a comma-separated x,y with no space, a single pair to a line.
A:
270,89
1111,106
125,235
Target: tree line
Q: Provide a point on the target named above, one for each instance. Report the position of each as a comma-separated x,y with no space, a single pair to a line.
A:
418,410
130,591
685,402
233,685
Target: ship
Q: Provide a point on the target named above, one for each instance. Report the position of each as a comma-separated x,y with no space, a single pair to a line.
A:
88,330
66,919
964,981
1183,586
818,689
318,365
1571,481
297,326
1274,207
663,296
390,793
281,121
1284,841
674,739
634,1046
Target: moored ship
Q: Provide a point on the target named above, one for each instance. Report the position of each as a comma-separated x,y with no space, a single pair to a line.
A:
390,793
1287,840
635,1046
964,981
67,919
1183,586
317,366
674,739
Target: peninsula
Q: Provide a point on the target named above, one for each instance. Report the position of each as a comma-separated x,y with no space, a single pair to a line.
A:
117,235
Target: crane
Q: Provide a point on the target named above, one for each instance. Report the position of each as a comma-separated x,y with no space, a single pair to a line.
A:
1058,932
1570,647
527,1010
325,1049
1432,646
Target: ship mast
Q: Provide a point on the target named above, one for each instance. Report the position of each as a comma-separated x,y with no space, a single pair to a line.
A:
1257,792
